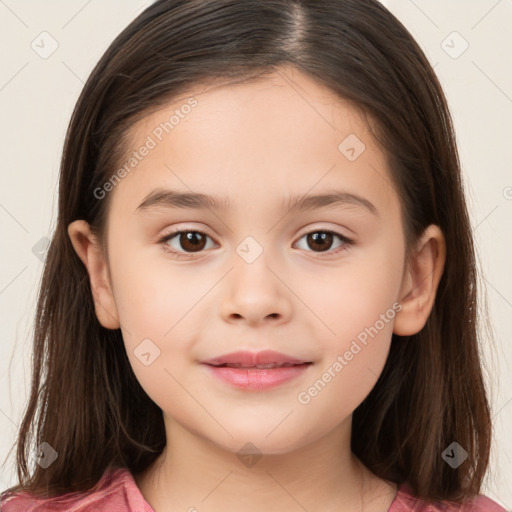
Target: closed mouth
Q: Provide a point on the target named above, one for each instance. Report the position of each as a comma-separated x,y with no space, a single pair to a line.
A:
268,366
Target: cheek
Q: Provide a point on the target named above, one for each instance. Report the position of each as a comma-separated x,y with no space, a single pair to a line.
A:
154,309
151,296
354,296
158,303
357,306
352,359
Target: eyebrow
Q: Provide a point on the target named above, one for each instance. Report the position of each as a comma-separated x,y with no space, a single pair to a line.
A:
192,200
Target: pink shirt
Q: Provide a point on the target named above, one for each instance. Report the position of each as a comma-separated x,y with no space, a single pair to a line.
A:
118,492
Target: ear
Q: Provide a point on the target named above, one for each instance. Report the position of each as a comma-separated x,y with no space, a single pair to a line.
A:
421,279
89,251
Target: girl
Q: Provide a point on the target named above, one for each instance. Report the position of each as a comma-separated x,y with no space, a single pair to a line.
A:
195,347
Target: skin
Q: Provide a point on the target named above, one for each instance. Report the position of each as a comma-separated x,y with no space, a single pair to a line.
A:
257,144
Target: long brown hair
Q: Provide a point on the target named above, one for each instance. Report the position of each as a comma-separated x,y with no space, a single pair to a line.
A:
85,400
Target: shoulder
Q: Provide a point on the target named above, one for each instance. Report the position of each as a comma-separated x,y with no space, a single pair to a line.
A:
116,491
406,501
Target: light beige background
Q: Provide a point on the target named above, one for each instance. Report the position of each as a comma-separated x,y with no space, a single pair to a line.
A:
37,96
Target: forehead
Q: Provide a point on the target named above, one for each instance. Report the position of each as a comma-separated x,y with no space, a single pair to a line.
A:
286,98
282,133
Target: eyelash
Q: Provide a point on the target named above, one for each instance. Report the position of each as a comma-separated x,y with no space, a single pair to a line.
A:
164,239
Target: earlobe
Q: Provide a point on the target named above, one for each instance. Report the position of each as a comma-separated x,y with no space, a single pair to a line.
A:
88,250
421,279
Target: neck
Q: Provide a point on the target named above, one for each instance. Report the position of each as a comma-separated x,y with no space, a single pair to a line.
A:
194,474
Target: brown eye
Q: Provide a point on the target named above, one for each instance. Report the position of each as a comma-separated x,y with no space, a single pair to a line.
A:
192,241
187,242
321,241
184,242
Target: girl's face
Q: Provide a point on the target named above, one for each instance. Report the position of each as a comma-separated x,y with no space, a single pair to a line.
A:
262,275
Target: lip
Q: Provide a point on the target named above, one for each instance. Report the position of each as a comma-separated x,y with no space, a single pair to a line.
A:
246,358
256,371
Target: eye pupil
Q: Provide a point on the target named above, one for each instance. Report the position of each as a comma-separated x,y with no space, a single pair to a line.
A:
320,236
194,239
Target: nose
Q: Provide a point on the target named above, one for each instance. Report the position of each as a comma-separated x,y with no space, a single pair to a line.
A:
255,293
